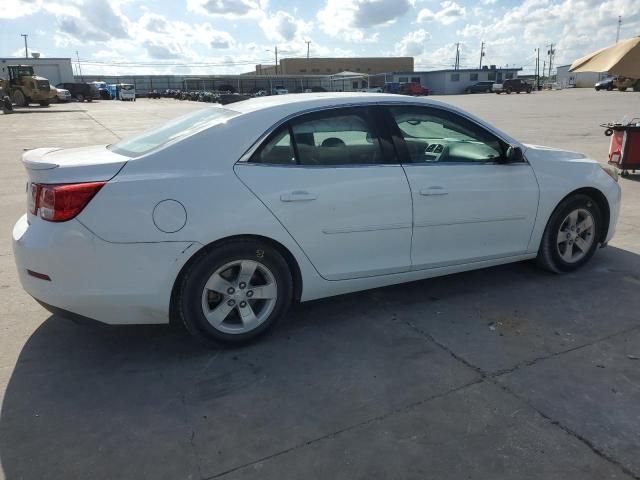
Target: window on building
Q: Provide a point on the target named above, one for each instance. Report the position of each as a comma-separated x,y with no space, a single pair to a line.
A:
403,79
303,70
492,75
315,70
473,77
455,77
328,70
358,69
415,79
355,85
509,76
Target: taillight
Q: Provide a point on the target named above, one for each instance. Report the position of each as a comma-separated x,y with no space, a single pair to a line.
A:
59,203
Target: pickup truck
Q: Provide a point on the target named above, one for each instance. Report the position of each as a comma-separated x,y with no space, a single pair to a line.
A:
512,85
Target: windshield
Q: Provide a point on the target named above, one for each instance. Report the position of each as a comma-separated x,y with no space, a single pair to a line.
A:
176,130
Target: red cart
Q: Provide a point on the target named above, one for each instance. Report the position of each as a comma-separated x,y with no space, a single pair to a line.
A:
624,149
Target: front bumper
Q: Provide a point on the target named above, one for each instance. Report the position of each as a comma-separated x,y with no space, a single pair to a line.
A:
114,283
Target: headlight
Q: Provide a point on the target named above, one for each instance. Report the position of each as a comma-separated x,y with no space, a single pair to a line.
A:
610,170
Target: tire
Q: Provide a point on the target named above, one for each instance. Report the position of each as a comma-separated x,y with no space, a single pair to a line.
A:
224,263
508,91
609,88
90,99
19,99
44,103
80,97
597,89
528,90
622,89
560,254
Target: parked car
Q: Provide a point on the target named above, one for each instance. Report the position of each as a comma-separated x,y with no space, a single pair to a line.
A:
79,91
279,90
623,83
63,95
101,91
154,94
512,85
126,92
480,87
142,243
413,89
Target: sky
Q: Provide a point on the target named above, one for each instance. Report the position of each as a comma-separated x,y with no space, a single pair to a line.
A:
231,36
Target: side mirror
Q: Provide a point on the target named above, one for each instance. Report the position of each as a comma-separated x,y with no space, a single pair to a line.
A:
513,155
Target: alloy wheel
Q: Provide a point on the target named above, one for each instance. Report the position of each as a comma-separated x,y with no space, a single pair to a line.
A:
576,235
239,296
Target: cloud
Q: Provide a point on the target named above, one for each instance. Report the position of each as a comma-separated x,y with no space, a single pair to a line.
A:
18,8
350,19
448,14
283,27
225,8
91,21
413,44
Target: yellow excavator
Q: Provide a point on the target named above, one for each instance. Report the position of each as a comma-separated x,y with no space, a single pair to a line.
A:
23,86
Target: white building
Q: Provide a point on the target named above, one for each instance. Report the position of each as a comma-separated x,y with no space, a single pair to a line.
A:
56,70
566,79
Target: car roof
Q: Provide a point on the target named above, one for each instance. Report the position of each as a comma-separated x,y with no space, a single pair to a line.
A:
307,101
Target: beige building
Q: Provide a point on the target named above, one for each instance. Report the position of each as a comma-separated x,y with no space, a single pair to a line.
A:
331,66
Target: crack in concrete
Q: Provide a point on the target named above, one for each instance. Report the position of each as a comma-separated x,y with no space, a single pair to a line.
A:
585,441
493,378
334,434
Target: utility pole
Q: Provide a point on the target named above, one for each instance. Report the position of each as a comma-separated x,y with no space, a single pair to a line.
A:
79,67
276,52
544,65
481,54
457,63
619,25
26,50
551,52
538,68
308,42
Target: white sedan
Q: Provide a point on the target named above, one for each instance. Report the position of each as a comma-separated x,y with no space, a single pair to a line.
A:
63,95
223,218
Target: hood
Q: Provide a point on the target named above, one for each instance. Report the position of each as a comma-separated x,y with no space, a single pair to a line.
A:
539,152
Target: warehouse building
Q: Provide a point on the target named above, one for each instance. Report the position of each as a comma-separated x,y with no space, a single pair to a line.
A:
451,81
56,70
332,66
566,79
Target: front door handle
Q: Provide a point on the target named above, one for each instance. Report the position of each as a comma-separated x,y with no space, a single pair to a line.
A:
297,196
434,190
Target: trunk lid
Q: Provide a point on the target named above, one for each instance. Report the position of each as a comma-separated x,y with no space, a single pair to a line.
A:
73,165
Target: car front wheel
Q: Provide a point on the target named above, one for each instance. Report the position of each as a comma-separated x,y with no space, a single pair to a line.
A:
235,292
571,236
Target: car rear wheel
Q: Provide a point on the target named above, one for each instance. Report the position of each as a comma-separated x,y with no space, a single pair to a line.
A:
508,91
571,236
609,88
80,97
235,292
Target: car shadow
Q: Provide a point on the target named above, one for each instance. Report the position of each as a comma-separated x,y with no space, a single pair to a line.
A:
93,401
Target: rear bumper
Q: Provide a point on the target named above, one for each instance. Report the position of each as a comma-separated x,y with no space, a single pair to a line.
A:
113,283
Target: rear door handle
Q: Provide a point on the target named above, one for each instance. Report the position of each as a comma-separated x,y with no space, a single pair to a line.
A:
434,190
297,196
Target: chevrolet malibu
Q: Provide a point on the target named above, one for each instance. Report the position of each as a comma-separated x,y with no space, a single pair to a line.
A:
223,218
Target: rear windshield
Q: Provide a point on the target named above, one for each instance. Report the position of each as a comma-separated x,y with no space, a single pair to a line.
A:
177,129
126,87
